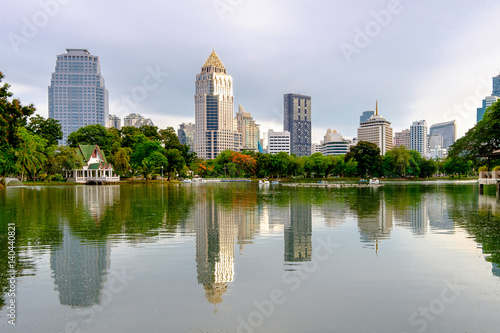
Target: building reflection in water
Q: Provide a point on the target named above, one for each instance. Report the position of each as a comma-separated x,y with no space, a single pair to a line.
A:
375,222
298,231
80,266
215,236
79,269
97,199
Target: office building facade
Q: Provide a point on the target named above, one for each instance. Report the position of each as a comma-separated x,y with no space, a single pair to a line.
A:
213,109
278,141
186,134
136,120
334,144
418,136
402,138
365,116
297,121
249,130
77,93
447,130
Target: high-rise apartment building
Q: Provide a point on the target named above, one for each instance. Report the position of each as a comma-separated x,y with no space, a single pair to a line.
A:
77,93
378,131
402,138
186,134
114,122
418,136
448,132
136,120
250,133
297,121
213,109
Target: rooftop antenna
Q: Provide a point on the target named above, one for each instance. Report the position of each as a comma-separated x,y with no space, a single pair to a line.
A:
376,107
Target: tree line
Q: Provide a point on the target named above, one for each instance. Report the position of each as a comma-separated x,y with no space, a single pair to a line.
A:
29,150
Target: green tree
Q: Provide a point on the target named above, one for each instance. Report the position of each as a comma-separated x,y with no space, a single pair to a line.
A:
368,158
396,161
264,165
8,162
280,164
175,162
169,138
129,135
30,157
483,138
92,135
49,129
414,163
121,160
144,148
428,168
147,169
150,132
12,117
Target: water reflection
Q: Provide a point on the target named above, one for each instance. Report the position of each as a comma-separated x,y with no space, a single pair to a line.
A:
79,270
298,231
76,225
215,236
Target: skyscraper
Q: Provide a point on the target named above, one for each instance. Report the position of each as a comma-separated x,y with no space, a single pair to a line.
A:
487,102
496,86
378,131
418,136
213,109
249,130
114,122
186,134
448,132
77,93
297,121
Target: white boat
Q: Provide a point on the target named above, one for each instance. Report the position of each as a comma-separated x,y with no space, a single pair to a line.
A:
186,181
374,181
263,182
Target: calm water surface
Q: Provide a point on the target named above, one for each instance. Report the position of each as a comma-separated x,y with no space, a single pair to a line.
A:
236,257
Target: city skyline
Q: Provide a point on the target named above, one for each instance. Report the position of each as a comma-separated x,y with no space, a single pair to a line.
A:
446,71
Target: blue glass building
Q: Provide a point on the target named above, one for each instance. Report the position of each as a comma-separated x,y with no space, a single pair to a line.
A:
77,93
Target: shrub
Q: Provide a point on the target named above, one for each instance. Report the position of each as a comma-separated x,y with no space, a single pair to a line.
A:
43,177
497,168
483,168
58,178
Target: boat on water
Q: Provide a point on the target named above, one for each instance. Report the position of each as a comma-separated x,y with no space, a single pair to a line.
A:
374,181
186,181
263,182
363,181
275,182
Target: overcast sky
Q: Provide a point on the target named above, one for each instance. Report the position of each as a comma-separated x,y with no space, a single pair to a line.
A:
424,59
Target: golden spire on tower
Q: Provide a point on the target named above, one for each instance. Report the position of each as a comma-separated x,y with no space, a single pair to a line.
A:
376,107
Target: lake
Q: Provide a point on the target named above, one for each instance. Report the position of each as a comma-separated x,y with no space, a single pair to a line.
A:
243,257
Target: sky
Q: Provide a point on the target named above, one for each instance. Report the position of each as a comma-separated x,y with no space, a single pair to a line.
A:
431,60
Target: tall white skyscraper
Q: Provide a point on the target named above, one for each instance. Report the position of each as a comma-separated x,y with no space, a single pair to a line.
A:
378,131
213,109
418,136
77,93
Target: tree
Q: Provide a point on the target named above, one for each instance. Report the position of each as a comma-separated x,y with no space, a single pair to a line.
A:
396,161
169,138
483,138
30,157
280,164
49,129
414,163
12,117
121,160
129,136
8,162
144,148
150,132
92,135
428,167
175,162
147,168
368,158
